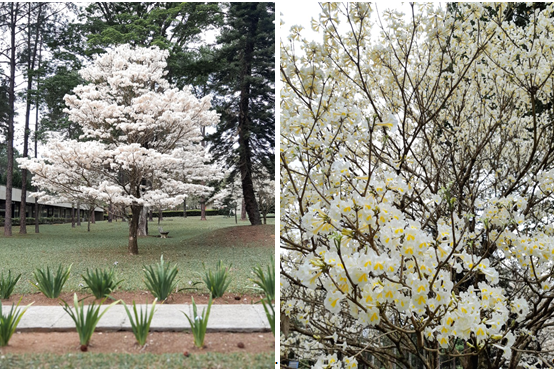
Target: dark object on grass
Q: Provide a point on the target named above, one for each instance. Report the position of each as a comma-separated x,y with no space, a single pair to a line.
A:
240,345
163,234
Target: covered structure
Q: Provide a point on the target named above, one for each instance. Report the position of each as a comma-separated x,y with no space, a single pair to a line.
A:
59,210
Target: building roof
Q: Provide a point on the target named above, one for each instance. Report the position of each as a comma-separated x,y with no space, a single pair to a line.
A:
16,197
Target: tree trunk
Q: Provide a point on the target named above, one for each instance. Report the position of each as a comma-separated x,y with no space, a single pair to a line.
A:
110,213
78,214
37,215
202,210
31,59
136,211
243,211
143,222
36,137
236,221
93,215
88,224
72,215
150,215
244,129
185,208
14,10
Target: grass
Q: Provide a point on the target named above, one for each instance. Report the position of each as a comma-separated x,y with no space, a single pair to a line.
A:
105,246
235,360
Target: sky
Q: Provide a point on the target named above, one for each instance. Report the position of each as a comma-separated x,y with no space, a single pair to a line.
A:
301,13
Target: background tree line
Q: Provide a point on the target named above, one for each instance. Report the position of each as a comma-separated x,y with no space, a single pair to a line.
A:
46,44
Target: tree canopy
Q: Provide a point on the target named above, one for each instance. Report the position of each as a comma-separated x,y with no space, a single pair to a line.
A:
143,138
417,175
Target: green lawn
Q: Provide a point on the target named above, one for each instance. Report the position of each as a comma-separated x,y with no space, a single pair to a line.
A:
191,243
140,361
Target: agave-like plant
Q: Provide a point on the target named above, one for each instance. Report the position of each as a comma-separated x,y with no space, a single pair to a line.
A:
219,281
266,282
141,322
160,280
9,322
101,282
7,284
51,284
85,321
199,323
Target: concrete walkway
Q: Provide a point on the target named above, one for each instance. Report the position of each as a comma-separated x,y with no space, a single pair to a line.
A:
168,317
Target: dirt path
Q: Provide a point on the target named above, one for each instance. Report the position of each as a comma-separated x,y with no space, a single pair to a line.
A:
140,297
125,342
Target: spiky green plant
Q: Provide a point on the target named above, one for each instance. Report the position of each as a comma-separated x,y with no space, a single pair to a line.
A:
219,281
101,282
160,281
51,284
141,322
8,323
7,284
199,323
85,321
266,282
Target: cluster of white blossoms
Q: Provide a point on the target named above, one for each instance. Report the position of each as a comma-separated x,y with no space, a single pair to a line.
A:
141,137
416,186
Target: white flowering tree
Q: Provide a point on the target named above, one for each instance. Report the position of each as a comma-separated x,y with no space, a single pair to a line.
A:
229,194
65,180
264,187
417,170
141,141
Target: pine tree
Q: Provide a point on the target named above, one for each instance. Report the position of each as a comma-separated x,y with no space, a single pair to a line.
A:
244,82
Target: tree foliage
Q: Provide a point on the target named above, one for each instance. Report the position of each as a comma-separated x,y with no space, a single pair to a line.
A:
143,138
417,175
244,85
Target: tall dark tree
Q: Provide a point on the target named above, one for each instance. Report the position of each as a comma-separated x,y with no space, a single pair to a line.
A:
35,16
11,15
4,109
244,82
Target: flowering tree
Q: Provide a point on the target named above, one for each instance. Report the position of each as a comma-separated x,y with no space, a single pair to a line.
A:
65,180
142,137
417,170
229,194
264,186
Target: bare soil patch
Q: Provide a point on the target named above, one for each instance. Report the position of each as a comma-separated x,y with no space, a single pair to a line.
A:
140,297
241,236
125,342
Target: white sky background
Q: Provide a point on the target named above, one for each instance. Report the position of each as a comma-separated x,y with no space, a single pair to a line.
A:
302,12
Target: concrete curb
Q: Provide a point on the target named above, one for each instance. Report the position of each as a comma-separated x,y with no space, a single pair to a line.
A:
168,317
